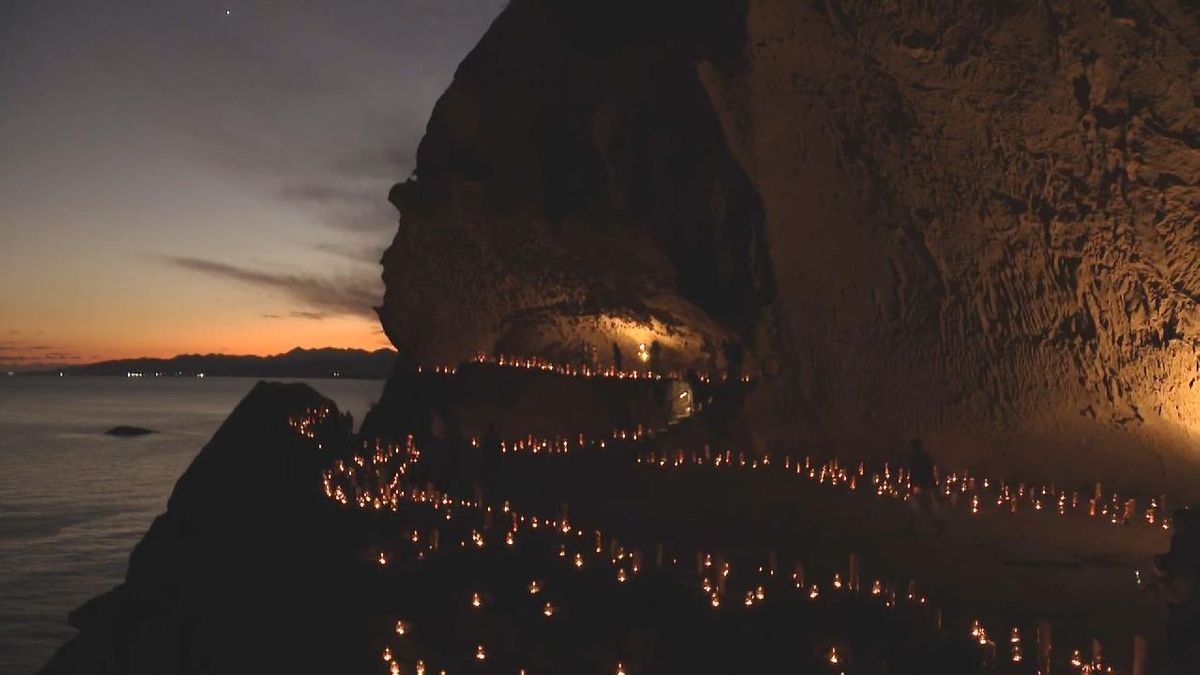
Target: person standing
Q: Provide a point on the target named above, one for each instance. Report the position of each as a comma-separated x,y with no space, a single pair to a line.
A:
698,395
1178,575
733,360
617,359
923,499
489,451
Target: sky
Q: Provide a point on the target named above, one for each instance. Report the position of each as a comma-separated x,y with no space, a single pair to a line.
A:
190,176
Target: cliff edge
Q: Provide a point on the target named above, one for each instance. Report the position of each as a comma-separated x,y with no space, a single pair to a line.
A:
245,566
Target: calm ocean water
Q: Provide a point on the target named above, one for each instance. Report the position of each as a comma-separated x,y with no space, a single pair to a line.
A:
73,501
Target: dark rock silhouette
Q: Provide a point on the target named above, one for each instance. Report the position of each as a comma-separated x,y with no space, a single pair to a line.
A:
240,567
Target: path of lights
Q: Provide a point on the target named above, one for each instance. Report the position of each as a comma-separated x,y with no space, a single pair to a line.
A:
374,480
572,370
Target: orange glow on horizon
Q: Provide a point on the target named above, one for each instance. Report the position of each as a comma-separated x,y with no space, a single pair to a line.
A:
259,336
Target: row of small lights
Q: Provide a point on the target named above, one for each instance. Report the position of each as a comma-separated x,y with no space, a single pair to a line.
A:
391,494
572,370
976,492
626,563
560,445
897,486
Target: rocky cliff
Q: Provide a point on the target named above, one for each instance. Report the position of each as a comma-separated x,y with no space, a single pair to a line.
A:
973,221
248,570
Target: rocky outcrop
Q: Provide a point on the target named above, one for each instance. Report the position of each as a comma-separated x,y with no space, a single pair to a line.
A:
246,571
976,222
574,186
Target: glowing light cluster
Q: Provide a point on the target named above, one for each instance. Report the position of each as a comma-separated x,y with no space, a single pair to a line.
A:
375,479
959,489
536,363
561,445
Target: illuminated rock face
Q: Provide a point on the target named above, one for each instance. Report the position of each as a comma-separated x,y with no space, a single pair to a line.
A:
574,185
976,225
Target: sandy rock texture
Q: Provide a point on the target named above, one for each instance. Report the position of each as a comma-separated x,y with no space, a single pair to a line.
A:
975,221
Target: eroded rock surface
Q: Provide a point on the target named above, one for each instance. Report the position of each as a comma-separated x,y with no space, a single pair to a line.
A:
977,223
574,185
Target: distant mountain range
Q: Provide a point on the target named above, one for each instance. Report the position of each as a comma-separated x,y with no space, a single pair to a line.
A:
310,363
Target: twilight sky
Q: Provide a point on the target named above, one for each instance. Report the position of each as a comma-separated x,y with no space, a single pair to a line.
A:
177,179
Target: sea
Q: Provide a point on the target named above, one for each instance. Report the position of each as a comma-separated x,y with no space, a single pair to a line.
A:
74,501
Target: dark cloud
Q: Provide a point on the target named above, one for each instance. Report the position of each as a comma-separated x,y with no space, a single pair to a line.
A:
391,161
17,344
12,358
20,354
346,294
62,356
332,103
345,207
323,194
374,218
359,253
314,316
